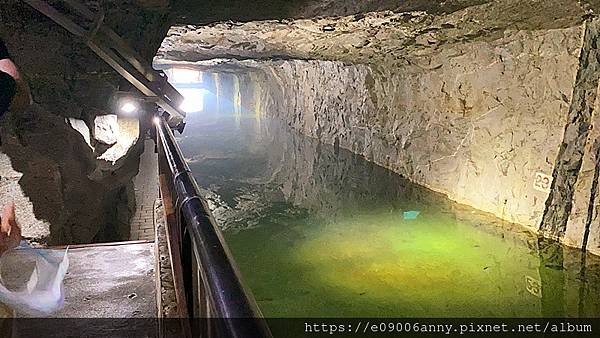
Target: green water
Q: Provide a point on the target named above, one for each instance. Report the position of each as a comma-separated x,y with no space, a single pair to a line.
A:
319,232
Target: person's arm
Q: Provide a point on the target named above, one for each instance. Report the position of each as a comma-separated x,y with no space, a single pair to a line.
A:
22,97
10,232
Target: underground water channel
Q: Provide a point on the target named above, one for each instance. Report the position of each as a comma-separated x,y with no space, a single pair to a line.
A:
318,231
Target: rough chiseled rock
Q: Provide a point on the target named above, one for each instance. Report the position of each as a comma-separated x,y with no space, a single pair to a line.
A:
470,100
571,153
106,129
469,130
583,219
82,129
64,194
375,37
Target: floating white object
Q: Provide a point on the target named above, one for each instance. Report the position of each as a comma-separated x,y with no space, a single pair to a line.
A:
43,293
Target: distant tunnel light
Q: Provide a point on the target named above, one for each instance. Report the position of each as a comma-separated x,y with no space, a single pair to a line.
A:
193,100
184,75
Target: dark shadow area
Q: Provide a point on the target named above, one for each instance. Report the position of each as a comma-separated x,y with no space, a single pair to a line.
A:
57,166
84,200
193,12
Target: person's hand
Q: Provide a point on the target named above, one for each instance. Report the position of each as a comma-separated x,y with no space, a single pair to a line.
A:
10,233
22,98
9,67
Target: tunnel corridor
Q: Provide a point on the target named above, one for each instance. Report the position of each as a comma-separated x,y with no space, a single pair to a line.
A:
337,229
312,159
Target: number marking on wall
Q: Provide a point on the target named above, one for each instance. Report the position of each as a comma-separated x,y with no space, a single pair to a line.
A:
542,182
534,286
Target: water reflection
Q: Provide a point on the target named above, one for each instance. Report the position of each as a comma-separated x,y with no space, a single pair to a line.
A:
318,231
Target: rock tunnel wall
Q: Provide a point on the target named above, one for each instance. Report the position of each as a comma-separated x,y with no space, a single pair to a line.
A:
489,102
64,193
577,167
475,122
482,122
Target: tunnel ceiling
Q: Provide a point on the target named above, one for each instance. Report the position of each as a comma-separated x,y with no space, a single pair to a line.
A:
368,37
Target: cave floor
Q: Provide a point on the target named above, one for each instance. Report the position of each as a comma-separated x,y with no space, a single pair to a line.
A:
146,194
112,280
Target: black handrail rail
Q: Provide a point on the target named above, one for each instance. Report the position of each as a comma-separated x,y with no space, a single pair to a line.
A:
218,280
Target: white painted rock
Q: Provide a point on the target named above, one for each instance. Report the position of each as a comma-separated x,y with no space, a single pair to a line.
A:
82,128
106,129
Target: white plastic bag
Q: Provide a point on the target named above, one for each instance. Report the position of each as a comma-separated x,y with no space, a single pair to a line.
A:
43,292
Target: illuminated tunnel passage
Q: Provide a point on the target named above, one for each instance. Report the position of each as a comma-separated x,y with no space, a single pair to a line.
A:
320,232
362,158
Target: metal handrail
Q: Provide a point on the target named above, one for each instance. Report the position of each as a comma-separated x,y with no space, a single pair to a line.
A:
231,306
210,280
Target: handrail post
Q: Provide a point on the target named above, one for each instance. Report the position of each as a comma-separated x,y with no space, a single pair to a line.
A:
231,308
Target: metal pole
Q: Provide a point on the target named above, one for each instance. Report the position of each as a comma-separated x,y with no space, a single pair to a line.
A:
232,306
